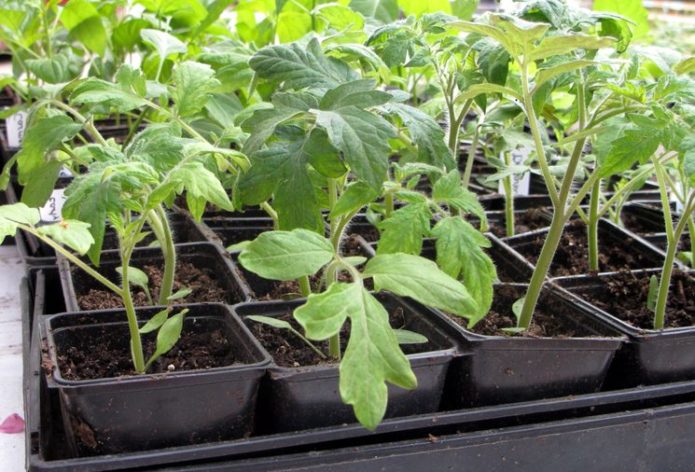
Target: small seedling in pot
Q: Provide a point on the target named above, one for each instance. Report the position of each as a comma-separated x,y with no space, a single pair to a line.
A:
373,345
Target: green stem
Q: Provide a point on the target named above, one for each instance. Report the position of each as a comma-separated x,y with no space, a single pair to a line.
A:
134,128
304,286
592,227
388,202
133,325
471,158
88,125
455,127
332,199
535,132
691,230
271,213
169,250
509,223
667,269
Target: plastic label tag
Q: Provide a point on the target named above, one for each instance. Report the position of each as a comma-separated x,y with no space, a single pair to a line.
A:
52,211
16,124
521,183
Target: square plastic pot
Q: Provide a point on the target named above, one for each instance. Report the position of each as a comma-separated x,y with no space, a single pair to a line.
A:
139,412
210,256
308,397
231,231
650,356
508,369
645,255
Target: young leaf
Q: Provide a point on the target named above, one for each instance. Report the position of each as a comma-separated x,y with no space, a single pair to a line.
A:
155,322
409,337
404,229
653,293
355,196
179,294
420,279
164,43
71,233
449,190
287,255
136,278
168,335
273,322
372,347
517,306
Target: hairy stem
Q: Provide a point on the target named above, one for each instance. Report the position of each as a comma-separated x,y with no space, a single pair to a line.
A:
471,158
592,226
304,286
507,183
133,325
169,251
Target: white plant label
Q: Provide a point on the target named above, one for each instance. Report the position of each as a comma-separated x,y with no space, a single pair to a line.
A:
52,211
521,183
16,124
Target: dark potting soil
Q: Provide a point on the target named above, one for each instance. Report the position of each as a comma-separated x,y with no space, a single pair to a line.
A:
105,352
572,256
544,324
624,295
351,246
635,224
369,232
202,281
531,219
288,350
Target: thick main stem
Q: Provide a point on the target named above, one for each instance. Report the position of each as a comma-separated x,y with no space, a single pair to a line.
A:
507,182
169,250
691,230
592,227
133,325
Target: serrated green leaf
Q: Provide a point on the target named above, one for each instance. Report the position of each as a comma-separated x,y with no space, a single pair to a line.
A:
449,190
404,230
287,255
42,136
372,348
54,69
300,66
193,84
460,254
426,133
40,185
105,94
633,145
420,279
358,93
155,322
385,11
70,233
362,137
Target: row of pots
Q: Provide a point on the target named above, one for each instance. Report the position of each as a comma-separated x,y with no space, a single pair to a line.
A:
501,369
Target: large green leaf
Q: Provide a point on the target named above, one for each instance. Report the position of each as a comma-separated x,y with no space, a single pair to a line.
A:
362,137
372,356
632,9
420,279
460,254
300,66
54,69
287,255
16,213
193,84
404,230
43,135
426,133
355,196
97,92
358,93
164,43
633,145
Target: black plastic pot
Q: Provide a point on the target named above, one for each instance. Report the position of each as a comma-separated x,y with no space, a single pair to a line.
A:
645,255
507,369
202,255
497,221
642,219
496,202
235,230
307,397
650,356
160,410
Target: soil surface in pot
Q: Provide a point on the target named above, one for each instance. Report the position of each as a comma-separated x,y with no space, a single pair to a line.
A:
544,325
367,231
288,350
202,281
105,352
572,256
529,220
624,295
637,225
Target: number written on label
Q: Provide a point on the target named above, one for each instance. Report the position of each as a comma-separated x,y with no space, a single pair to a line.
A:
53,209
16,124
521,183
